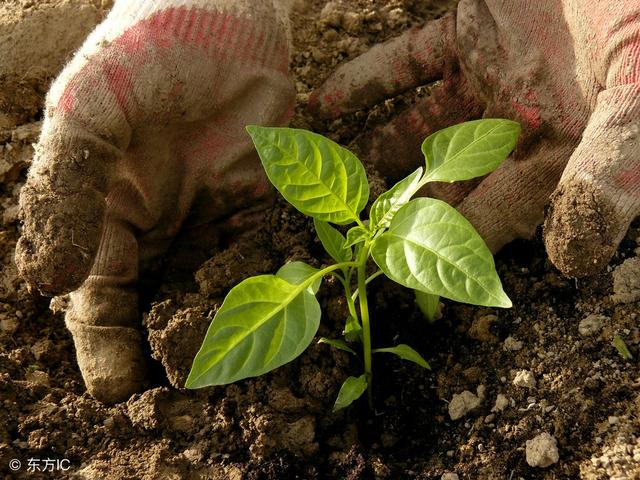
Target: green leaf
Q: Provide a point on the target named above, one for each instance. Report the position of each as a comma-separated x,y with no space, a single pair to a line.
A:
428,304
352,330
263,323
332,241
297,272
469,150
405,352
314,174
337,343
622,348
356,235
432,248
351,390
387,204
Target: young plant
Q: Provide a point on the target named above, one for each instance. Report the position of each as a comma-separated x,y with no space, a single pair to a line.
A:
423,244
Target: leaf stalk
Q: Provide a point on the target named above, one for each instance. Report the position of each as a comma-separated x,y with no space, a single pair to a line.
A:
364,318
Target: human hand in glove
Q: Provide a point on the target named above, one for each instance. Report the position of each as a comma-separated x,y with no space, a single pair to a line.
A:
567,70
146,119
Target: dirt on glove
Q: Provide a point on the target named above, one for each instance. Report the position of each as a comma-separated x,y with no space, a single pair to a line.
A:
575,220
579,388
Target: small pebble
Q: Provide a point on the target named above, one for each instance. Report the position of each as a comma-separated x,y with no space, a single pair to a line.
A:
449,476
502,402
626,281
591,324
510,344
542,451
525,378
463,403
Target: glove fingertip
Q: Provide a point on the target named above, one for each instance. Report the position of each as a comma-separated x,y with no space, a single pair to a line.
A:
582,229
59,240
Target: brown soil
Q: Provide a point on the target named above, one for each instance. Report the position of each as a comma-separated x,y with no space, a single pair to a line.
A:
280,426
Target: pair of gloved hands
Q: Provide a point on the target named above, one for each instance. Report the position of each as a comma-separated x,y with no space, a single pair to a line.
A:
148,120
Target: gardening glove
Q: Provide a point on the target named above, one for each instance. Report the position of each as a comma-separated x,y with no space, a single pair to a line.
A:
147,120
567,70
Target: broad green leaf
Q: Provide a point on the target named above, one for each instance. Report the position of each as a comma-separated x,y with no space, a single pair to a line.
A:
263,323
352,330
356,235
469,150
432,248
387,204
337,343
428,304
332,241
297,272
314,174
351,390
405,352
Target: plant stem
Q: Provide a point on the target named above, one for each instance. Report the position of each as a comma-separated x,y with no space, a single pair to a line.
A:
327,270
364,317
350,299
369,279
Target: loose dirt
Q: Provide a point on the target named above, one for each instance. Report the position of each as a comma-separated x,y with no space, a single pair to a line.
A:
547,366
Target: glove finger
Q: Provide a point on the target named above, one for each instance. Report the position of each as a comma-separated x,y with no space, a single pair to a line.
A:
599,193
62,207
395,147
103,317
417,57
62,204
509,203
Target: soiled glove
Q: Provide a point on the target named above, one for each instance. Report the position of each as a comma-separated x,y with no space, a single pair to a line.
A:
567,70
147,119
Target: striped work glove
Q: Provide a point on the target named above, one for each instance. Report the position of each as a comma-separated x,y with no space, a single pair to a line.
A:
146,119
567,70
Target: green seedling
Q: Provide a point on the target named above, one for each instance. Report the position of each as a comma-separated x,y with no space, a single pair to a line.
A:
423,244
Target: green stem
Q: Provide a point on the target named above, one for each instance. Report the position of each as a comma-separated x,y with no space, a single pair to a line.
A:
327,270
345,282
360,223
369,279
350,299
364,317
